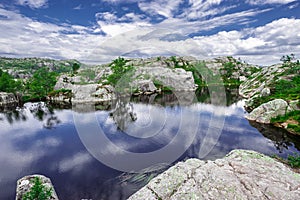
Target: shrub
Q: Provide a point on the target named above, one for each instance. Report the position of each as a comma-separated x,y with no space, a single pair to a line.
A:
38,191
75,67
41,83
294,161
8,84
119,68
162,87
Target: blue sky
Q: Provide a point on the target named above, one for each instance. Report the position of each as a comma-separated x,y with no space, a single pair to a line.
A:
97,31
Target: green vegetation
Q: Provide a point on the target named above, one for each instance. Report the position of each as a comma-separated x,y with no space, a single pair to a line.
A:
65,92
203,76
227,71
293,68
252,70
30,65
120,70
40,75
38,191
162,87
41,83
287,87
176,62
294,161
89,74
287,58
75,67
282,89
199,70
8,84
292,117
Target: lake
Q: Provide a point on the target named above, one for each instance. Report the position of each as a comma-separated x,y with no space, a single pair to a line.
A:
110,150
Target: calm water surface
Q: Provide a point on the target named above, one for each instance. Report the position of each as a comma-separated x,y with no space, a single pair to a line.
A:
64,145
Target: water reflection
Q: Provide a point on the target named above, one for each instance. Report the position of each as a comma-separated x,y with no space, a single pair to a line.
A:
40,111
281,139
41,138
123,113
15,115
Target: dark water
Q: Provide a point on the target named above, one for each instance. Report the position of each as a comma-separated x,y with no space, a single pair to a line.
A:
89,153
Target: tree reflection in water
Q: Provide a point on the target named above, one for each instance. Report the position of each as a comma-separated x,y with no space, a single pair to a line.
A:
44,112
123,113
280,137
15,115
40,111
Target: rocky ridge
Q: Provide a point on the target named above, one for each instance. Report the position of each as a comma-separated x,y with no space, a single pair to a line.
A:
23,68
266,94
150,76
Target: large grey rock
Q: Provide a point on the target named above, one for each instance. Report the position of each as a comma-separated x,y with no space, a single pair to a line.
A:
92,93
271,109
24,185
177,79
240,175
265,92
64,81
144,86
88,93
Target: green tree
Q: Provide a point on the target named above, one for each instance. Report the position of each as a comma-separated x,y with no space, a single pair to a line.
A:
119,68
75,67
41,83
8,84
38,191
287,58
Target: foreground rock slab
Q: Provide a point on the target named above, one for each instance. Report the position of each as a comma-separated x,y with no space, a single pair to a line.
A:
240,175
24,184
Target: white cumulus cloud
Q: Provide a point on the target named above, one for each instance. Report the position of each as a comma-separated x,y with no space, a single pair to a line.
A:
33,3
160,7
261,2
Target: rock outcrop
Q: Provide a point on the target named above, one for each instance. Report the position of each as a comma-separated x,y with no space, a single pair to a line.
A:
88,93
265,112
177,79
144,86
239,70
25,184
240,175
260,80
261,88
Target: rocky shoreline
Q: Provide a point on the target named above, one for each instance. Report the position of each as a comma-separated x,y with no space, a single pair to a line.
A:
263,99
154,75
241,174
